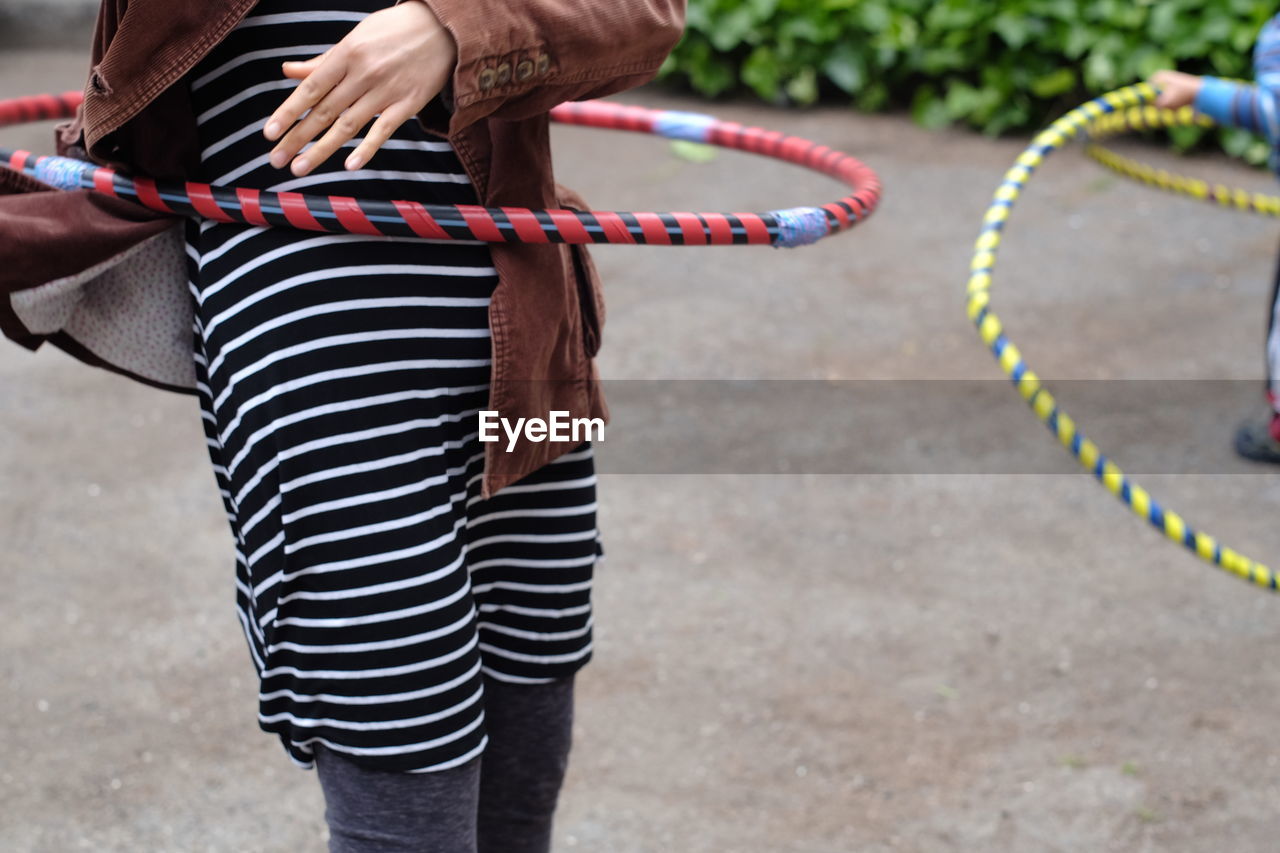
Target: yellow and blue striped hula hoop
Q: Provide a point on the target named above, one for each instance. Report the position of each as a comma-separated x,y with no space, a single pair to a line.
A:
1147,117
1125,109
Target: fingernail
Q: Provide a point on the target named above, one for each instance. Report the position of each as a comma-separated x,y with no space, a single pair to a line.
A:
272,130
355,161
300,166
278,159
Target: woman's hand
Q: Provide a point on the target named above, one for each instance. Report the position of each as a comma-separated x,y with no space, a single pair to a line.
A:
393,63
1176,88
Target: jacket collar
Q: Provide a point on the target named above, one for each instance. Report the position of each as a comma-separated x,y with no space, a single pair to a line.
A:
135,59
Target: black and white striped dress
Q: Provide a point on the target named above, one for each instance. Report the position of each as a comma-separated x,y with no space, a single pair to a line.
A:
340,378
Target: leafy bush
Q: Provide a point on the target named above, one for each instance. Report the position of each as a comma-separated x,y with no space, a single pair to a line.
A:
997,65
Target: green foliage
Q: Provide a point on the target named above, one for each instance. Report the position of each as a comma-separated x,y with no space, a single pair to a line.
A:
997,65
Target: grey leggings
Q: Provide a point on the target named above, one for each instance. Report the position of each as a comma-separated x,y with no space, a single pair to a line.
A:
500,802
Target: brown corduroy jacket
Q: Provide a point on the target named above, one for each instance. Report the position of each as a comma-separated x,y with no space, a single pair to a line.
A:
104,279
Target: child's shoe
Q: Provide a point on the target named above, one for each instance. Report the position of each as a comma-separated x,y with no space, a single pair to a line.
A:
1259,439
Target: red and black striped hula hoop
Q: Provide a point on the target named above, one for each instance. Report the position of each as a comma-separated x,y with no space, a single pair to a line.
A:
789,227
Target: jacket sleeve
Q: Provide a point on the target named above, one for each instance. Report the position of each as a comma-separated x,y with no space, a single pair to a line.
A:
1253,107
519,59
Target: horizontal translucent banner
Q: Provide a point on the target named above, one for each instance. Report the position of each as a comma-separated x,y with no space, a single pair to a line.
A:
919,426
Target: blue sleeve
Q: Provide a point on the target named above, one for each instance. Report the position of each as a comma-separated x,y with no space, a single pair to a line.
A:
1256,107
1266,56
1231,104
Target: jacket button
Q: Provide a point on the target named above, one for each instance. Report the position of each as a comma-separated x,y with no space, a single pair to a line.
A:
524,70
487,76
544,63
504,73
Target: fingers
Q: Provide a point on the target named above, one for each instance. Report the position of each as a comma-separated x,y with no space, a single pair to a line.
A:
335,112
392,62
317,82
299,70
343,131
1176,89
391,118
1162,81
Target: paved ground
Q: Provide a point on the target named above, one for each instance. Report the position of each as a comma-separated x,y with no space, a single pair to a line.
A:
46,23
793,664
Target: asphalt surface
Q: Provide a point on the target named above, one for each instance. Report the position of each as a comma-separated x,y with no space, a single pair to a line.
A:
807,663
46,23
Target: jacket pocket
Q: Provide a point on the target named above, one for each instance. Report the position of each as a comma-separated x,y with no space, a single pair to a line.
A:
590,299
586,279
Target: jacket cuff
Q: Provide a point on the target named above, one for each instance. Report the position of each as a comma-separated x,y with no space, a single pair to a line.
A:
1214,99
486,74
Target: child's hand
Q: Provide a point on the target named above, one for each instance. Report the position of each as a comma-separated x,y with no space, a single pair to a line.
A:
1176,88
392,63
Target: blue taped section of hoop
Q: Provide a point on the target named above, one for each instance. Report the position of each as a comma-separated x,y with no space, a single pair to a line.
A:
800,226
693,127
61,172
